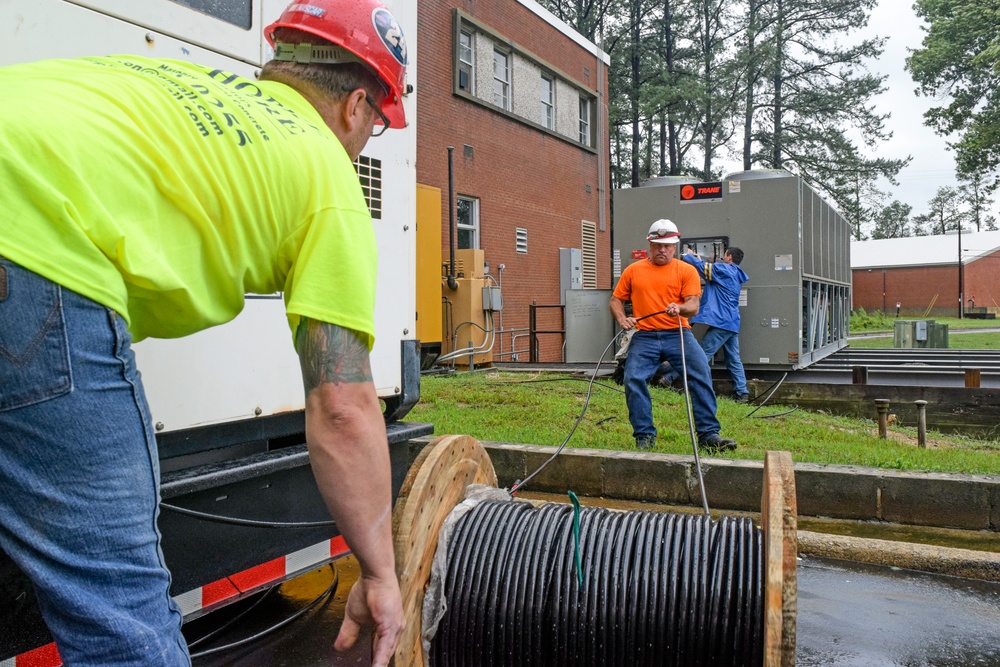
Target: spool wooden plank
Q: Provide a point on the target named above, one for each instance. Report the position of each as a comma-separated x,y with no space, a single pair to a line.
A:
434,485
779,522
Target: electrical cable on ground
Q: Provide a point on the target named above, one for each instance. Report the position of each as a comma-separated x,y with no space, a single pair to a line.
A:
773,388
687,397
777,414
590,388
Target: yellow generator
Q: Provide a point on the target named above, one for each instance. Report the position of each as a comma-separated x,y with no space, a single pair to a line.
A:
469,301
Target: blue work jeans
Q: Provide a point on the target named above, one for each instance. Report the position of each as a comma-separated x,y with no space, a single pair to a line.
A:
729,341
646,352
79,477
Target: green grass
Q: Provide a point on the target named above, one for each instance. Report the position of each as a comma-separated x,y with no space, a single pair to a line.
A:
541,409
865,323
862,322
964,341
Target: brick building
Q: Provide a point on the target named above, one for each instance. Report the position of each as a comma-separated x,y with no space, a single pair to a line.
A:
921,274
522,99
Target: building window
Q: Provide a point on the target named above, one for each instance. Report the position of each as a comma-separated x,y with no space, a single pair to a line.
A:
467,224
466,65
548,102
585,121
370,176
501,80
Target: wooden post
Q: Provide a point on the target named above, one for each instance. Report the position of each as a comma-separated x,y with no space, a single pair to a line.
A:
972,377
921,423
779,522
882,407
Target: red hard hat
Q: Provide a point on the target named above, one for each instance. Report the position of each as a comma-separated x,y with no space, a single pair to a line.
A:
365,28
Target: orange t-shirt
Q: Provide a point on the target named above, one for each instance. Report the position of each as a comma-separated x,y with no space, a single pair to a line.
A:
652,288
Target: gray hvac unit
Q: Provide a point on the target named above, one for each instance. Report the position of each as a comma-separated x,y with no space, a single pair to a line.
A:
796,306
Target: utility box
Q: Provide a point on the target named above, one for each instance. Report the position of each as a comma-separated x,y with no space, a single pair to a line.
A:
570,271
795,308
919,333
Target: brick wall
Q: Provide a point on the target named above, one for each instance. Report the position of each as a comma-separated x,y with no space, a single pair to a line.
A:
915,288
522,176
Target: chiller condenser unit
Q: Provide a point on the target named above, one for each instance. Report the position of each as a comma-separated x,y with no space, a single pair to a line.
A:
796,306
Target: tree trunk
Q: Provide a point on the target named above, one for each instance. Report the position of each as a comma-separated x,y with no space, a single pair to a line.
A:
778,74
751,83
636,136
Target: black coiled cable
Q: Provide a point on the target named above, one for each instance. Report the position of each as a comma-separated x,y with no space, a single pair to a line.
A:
658,589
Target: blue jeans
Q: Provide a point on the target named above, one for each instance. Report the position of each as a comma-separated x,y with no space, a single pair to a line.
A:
646,352
729,341
79,477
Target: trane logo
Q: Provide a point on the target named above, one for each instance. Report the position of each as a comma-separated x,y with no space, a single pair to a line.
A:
701,192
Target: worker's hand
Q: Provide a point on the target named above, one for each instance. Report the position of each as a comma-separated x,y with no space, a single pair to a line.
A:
377,602
627,323
673,310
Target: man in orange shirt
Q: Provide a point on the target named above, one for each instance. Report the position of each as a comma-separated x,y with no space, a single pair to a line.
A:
664,294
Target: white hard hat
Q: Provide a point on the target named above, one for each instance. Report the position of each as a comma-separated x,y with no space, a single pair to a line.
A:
663,231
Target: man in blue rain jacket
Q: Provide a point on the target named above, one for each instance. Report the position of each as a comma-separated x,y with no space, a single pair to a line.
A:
720,310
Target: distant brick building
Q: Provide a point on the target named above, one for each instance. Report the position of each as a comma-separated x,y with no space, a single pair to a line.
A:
921,274
522,99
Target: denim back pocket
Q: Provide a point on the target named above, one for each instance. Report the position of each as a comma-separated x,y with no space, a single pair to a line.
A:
34,352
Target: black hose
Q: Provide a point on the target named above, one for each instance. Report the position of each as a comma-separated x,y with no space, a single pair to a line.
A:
658,589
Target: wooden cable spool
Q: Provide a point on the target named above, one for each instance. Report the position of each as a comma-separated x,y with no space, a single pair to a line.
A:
436,483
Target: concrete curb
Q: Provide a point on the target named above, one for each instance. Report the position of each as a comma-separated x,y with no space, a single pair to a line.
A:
926,558
937,500
967,502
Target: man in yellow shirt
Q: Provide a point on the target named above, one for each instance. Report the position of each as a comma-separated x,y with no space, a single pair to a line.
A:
145,198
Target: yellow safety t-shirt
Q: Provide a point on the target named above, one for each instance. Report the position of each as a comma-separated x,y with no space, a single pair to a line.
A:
166,191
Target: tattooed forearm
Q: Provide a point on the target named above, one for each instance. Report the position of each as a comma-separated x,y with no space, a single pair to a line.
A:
329,353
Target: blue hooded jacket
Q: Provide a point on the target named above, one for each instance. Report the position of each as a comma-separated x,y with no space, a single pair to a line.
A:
720,299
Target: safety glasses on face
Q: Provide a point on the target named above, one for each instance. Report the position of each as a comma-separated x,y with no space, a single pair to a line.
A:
378,130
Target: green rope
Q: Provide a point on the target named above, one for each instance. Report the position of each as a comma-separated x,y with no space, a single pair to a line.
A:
576,535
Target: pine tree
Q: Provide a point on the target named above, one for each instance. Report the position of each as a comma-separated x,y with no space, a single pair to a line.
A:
960,60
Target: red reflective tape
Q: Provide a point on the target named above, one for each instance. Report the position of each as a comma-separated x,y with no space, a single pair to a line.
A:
260,574
43,656
217,591
338,547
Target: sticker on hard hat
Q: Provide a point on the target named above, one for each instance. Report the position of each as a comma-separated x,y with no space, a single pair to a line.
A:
701,192
307,9
392,35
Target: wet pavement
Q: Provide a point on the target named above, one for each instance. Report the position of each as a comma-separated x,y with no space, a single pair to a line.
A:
872,616
850,614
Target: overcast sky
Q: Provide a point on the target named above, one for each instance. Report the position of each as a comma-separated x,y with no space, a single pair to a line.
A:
933,165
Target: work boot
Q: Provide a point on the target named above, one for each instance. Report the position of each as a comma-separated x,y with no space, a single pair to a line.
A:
715,443
742,398
645,442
